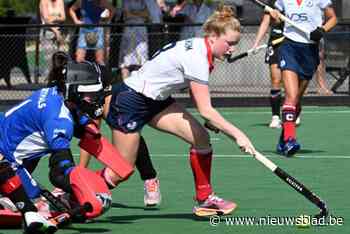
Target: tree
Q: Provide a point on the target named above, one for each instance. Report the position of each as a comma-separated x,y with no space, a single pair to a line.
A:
21,7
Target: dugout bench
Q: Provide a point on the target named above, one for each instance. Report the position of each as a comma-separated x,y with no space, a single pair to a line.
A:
337,58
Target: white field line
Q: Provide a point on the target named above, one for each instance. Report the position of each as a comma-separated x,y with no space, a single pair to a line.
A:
238,156
269,112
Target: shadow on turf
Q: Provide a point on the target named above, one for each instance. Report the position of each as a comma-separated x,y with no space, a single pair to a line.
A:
88,229
122,206
302,151
131,218
260,125
127,219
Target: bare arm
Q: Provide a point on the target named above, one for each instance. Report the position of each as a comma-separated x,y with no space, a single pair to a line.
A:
62,16
201,96
331,19
44,11
264,26
72,14
178,7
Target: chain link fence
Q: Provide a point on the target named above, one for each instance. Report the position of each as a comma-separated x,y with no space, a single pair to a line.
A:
25,59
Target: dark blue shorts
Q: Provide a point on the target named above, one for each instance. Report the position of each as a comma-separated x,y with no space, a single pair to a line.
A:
301,58
271,55
129,111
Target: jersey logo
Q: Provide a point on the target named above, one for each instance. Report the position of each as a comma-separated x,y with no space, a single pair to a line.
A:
299,2
298,17
131,125
282,63
309,4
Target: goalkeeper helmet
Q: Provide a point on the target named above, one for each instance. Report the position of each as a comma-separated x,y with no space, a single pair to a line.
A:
83,88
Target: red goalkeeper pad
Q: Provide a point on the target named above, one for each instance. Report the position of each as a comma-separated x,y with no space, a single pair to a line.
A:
106,153
8,218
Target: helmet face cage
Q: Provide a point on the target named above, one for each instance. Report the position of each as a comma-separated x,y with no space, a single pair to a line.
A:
84,88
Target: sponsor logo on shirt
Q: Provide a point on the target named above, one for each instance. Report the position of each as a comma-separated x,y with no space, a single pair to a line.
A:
298,17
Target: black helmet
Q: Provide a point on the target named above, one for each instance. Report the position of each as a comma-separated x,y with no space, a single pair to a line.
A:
83,87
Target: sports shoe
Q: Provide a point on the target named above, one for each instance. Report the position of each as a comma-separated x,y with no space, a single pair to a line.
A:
214,205
297,121
288,148
275,122
152,196
6,203
37,224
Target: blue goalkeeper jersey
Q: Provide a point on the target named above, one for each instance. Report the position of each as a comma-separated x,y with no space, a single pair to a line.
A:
35,127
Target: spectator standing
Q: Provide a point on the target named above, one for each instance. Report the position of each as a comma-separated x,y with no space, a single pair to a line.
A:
91,37
134,45
155,37
195,13
52,12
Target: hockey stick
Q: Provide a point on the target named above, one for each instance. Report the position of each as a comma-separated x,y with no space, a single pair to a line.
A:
247,53
294,183
254,51
68,214
284,18
291,181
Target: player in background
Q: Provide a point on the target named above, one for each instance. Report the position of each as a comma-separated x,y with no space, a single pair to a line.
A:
43,124
271,58
299,58
145,98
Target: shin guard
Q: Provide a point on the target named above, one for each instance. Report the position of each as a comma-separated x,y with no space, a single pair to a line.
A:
288,121
89,188
201,167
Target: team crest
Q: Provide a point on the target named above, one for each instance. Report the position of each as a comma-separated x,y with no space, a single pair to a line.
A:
131,125
309,3
282,63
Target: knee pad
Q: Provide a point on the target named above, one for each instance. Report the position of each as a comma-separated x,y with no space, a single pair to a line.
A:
89,188
61,164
